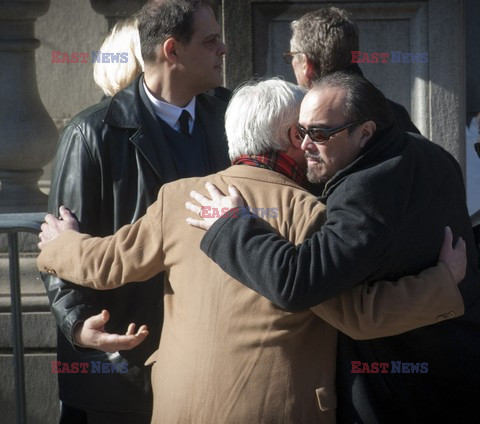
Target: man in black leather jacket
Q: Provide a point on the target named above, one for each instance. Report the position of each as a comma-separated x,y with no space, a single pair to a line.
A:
111,161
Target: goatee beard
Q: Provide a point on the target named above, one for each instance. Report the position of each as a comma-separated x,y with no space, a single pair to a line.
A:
314,177
313,172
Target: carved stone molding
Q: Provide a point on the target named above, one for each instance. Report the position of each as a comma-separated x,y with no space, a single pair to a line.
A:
28,135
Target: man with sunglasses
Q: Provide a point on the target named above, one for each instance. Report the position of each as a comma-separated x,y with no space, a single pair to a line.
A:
322,42
387,194
321,135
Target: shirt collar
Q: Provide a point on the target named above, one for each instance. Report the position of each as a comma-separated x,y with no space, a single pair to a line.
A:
168,112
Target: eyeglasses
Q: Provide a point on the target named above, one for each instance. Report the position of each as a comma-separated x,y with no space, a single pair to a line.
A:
288,56
321,135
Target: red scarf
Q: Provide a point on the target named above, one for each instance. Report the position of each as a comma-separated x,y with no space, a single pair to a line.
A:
278,162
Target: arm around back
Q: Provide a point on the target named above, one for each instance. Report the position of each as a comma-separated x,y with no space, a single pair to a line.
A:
297,277
133,253
387,308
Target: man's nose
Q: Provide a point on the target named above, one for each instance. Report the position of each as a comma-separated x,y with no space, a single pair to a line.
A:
308,144
222,48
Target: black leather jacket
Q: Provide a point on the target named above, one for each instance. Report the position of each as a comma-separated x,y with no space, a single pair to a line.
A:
108,171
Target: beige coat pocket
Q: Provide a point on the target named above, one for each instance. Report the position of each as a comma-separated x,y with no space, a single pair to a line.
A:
152,359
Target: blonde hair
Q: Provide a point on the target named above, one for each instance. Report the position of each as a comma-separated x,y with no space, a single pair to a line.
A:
115,76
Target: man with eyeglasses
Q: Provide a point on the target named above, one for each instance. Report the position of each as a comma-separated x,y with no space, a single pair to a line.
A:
322,42
387,194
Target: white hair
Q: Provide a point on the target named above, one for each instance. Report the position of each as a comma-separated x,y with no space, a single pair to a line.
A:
259,116
124,38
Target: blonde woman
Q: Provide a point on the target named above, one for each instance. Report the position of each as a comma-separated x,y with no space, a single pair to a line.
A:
125,59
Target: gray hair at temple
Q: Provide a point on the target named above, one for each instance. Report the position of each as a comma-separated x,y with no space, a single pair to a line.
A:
327,37
259,116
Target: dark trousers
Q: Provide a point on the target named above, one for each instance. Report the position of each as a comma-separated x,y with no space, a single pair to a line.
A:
72,415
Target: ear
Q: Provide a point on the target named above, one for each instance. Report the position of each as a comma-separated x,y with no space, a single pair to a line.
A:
294,137
367,130
170,49
295,149
308,69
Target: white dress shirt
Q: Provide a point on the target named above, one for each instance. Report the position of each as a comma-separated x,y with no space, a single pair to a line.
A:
170,113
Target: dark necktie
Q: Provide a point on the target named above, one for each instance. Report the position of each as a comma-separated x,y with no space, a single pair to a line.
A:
184,120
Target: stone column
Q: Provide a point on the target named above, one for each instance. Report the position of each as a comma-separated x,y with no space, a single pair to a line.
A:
446,39
114,10
28,135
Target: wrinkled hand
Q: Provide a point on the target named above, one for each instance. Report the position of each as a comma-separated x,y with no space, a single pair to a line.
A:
455,258
53,227
211,210
91,333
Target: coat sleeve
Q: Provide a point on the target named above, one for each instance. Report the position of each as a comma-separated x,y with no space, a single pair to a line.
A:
75,184
133,253
346,251
386,308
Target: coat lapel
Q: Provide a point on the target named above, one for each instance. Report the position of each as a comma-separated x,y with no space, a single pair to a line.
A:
158,157
129,110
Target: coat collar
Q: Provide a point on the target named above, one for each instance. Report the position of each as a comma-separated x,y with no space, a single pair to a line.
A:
124,110
259,174
387,143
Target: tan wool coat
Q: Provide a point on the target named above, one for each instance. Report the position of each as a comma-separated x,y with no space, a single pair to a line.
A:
228,355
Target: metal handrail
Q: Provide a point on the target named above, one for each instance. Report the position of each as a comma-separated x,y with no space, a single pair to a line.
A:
12,224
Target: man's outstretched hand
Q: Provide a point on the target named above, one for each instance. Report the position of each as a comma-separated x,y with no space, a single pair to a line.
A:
53,227
211,210
92,334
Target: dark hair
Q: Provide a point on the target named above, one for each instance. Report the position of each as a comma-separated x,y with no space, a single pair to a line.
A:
159,20
364,102
327,37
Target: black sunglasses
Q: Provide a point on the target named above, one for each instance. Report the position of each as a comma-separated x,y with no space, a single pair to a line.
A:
321,135
288,56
